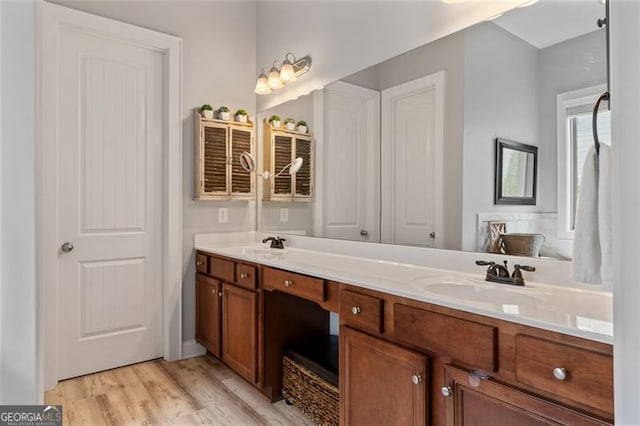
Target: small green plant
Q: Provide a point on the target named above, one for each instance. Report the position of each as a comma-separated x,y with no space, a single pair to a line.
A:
274,118
302,123
289,120
242,112
224,109
206,107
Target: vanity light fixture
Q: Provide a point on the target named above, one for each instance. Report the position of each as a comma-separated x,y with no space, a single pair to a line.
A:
262,85
248,162
274,77
289,72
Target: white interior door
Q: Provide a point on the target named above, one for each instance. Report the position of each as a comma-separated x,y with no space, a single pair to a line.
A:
351,161
110,203
412,150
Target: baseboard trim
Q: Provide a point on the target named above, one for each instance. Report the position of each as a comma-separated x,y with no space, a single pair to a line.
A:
191,348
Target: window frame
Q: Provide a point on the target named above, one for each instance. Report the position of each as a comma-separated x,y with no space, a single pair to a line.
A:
566,101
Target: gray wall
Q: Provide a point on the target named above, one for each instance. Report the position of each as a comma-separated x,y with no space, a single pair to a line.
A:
18,301
571,65
218,68
500,100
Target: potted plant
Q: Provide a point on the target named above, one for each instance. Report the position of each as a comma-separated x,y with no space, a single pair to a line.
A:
275,121
206,111
289,124
242,115
224,113
301,126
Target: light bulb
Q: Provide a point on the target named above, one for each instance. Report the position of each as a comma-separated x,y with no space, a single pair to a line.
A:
274,79
287,73
262,85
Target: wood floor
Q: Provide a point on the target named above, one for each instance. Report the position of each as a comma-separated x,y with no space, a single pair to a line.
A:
194,391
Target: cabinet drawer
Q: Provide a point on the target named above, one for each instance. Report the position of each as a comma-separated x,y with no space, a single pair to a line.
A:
466,341
299,285
588,376
202,263
222,268
246,276
361,311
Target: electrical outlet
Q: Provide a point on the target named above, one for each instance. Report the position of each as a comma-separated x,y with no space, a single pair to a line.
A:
284,215
223,215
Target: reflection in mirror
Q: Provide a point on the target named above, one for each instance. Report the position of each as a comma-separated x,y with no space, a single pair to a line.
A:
404,151
516,173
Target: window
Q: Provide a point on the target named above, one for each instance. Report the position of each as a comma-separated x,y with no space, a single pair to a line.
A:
575,138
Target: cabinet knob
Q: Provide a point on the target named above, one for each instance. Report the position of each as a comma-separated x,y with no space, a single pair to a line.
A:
356,310
560,373
446,391
288,283
244,276
416,379
220,294
199,263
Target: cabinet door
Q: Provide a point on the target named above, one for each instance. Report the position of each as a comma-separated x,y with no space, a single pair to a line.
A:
475,401
303,180
208,313
381,383
239,330
241,140
213,159
281,155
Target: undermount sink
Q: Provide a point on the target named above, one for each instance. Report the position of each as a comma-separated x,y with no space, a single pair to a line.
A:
261,251
474,290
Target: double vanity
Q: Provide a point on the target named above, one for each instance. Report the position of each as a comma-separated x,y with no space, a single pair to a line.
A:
418,345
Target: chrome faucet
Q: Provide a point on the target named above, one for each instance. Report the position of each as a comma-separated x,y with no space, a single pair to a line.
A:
276,242
497,273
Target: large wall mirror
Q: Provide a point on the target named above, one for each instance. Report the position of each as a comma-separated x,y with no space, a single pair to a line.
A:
404,151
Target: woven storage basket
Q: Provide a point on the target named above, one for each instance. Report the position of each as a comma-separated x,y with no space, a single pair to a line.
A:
522,244
314,396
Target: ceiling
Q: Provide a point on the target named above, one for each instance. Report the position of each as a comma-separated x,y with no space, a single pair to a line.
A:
548,22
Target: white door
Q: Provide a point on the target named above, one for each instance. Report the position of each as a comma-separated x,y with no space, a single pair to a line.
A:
412,151
110,203
351,161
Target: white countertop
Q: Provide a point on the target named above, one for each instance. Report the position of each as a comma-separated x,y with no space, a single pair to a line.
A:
577,312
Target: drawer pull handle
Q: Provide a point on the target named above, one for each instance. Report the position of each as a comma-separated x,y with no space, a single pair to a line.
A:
244,276
560,373
416,379
446,391
288,283
356,310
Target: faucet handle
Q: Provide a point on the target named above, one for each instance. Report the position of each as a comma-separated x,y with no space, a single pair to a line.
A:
524,268
484,263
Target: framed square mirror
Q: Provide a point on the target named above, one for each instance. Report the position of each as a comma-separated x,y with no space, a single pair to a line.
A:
516,173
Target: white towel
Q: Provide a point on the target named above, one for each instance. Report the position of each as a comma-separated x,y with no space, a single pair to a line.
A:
592,240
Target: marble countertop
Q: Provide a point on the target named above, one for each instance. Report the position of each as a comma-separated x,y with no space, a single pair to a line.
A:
577,312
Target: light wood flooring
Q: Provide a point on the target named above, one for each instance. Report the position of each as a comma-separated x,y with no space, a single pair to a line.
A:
199,390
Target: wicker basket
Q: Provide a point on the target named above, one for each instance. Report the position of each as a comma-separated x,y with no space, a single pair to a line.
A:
522,244
315,397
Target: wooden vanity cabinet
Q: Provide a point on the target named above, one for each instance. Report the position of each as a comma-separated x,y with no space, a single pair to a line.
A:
208,313
380,382
227,313
240,330
475,400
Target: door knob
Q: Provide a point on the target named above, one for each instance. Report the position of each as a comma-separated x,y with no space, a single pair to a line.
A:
67,247
432,235
364,233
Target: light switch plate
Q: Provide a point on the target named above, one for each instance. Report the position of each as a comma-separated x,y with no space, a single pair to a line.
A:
284,215
223,215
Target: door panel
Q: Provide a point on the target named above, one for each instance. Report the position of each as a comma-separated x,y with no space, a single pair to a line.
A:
412,149
109,191
239,330
350,156
208,313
